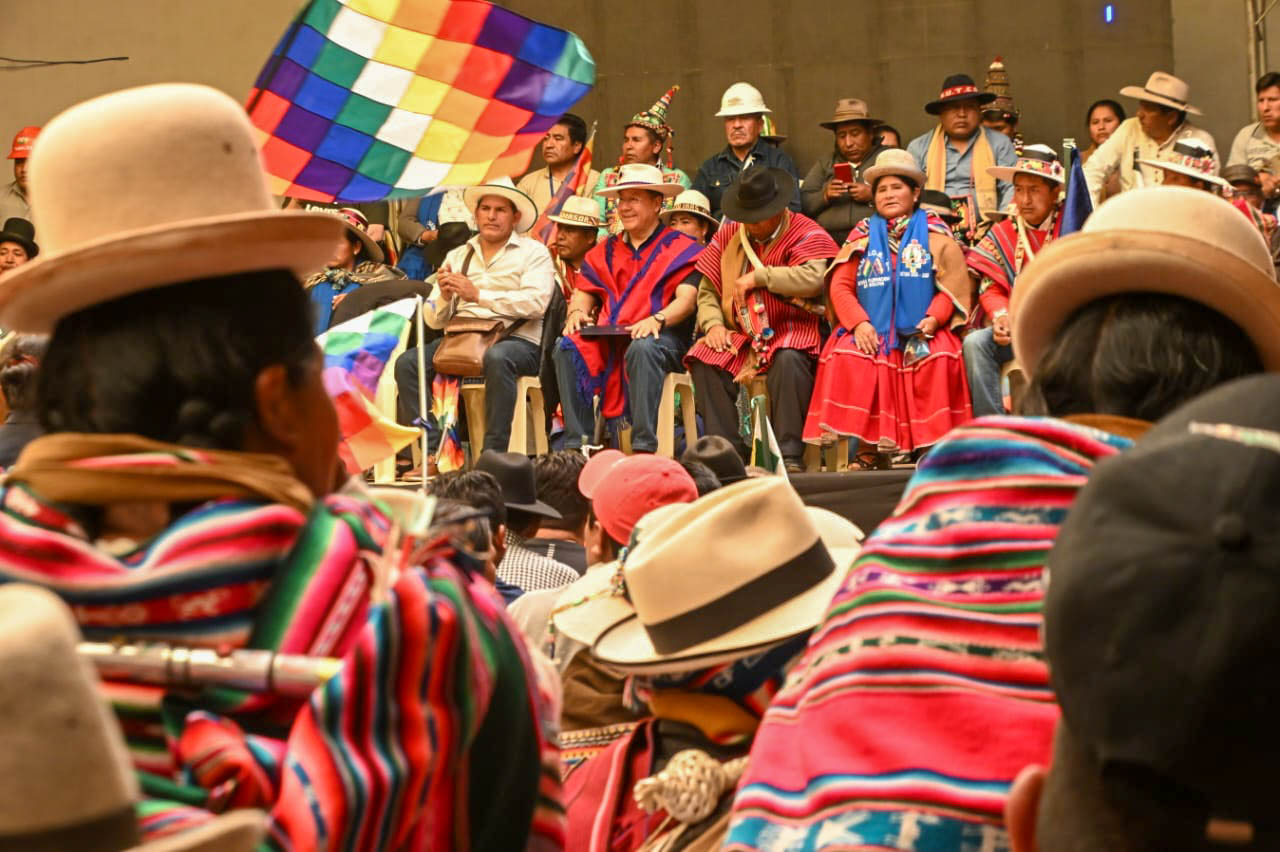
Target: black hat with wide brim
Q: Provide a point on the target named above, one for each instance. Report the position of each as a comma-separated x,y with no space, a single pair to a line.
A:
449,236
959,87
761,193
20,231
514,472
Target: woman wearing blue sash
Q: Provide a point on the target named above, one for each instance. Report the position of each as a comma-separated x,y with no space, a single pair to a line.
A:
892,374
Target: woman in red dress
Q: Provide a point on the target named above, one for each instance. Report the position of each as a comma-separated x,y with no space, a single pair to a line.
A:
892,374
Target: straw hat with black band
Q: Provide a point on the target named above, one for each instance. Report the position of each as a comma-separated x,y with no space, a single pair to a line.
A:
1164,89
504,188
200,208
767,569
1162,239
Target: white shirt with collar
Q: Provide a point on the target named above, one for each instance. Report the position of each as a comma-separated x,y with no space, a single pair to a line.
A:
1117,153
516,283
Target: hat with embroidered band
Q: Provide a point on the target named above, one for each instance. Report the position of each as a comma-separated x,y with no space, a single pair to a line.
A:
1164,89
579,212
504,188
1036,160
642,176
200,208
358,227
742,99
1159,239
767,570
761,193
894,161
847,110
1191,158
695,204
958,87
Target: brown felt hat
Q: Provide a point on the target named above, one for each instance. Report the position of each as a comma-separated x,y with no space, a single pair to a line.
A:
1160,239
147,187
68,782
847,110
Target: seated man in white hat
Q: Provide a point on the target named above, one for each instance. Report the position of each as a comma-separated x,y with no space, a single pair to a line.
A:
691,214
629,320
700,665
357,260
644,138
997,259
759,304
1160,122
834,192
743,110
499,274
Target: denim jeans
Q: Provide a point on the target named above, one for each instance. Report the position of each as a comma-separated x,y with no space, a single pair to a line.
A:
983,358
647,360
504,363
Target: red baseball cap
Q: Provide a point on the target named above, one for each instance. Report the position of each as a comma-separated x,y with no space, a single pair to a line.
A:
595,469
633,487
22,143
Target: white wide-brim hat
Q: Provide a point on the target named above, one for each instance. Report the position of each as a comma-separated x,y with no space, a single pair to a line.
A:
1188,170
1161,239
147,187
742,99
579,212
768,568
692,202
894,161
641,176
504,188
1036,160
1163,88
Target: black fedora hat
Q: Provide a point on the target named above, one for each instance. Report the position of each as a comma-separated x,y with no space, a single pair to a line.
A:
514,472
939,202
449,236
758,195
22,232
958,87
718,454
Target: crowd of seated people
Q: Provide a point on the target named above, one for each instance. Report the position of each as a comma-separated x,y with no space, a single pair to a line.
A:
606,650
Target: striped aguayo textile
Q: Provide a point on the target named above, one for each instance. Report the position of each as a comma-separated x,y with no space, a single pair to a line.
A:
434,734
925,690
793,326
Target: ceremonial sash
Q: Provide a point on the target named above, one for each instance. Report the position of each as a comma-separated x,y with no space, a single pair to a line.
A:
896,287
983,184
1005,249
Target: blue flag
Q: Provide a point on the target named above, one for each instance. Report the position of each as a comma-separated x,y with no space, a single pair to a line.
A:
1078,204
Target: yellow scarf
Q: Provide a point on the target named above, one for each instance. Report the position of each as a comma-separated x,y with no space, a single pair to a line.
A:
984,184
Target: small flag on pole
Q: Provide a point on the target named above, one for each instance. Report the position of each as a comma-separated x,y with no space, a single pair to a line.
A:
765,452
364,100
574,183
1078,204
356,354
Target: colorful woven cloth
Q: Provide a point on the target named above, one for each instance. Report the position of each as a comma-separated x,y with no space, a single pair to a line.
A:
630,285
434,735
793,327
446,402
1001,255
924,691
356,354
370,99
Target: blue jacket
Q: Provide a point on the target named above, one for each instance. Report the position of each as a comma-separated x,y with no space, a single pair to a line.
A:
719,172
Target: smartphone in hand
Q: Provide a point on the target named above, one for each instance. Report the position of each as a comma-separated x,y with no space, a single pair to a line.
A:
844,172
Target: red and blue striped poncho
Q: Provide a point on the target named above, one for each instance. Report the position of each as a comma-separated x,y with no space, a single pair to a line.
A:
433,735
630,285
925,690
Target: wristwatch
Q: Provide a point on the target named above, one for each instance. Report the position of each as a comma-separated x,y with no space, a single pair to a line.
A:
661,318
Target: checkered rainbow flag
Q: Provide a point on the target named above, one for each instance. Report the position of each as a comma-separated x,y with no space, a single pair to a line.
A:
364,100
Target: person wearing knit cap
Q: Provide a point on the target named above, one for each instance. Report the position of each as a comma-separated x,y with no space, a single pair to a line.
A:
644,138
744,112
1001,115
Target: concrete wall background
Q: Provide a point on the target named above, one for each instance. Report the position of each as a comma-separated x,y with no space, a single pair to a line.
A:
803,54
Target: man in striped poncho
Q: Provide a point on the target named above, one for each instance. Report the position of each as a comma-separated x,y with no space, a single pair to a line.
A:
759,304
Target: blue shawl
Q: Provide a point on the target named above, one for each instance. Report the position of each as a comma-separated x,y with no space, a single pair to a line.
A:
895,288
